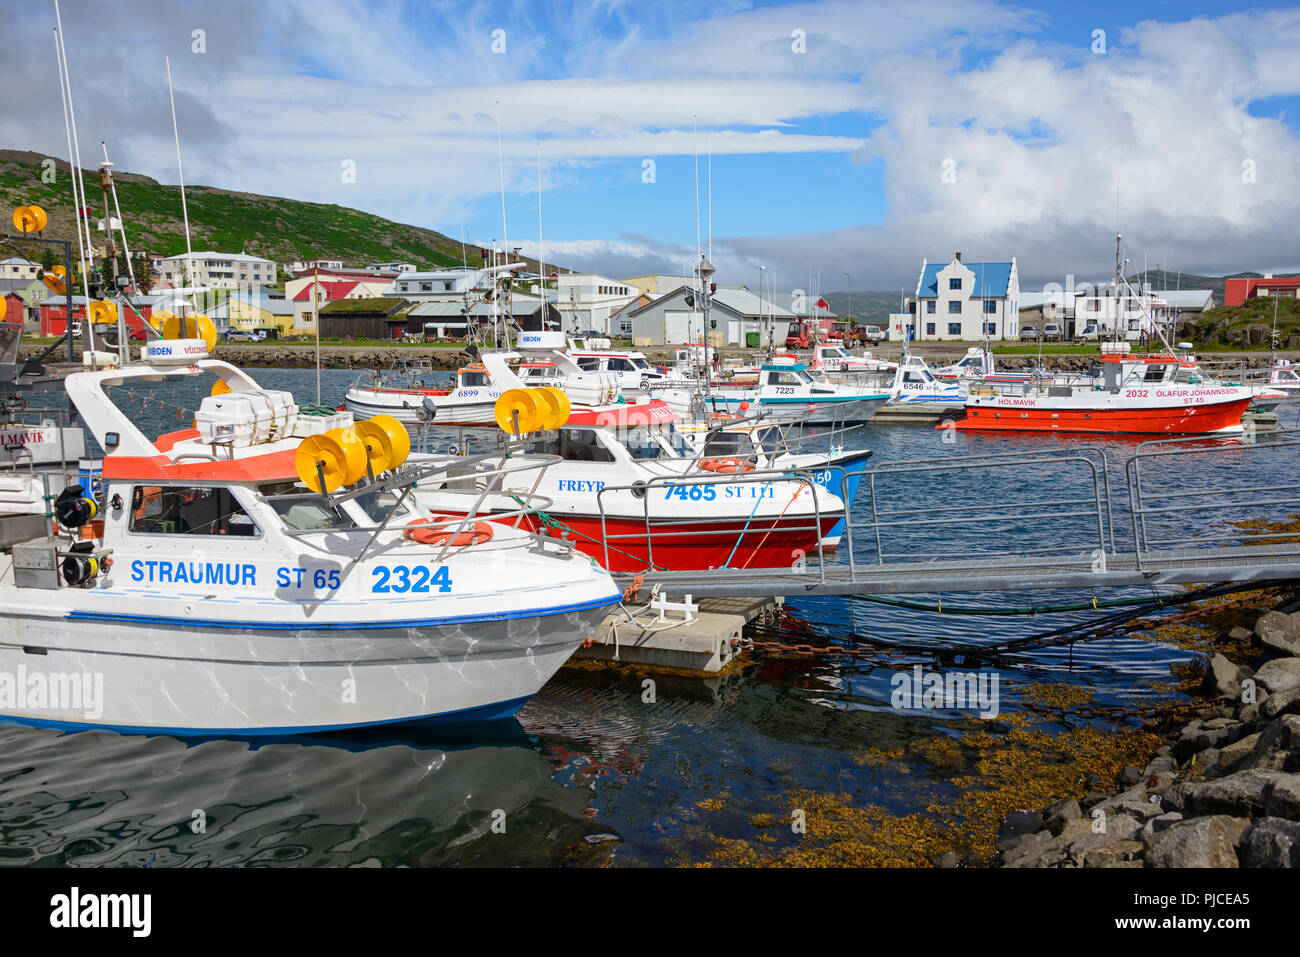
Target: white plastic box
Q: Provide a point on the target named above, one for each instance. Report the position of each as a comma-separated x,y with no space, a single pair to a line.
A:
246,418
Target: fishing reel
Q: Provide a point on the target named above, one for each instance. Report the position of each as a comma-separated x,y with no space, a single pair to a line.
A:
73,508
82,563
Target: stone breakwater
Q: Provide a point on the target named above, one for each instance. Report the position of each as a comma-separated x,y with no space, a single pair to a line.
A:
1224,793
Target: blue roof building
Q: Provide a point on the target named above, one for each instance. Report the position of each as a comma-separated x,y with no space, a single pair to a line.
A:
967,301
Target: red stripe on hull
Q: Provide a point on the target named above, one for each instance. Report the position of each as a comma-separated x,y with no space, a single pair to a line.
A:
1177,420
765,544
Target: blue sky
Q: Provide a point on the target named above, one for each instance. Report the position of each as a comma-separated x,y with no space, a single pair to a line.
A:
834,155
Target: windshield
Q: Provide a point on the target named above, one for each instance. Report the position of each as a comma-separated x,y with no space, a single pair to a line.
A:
377,505
642,442
303,514
729,445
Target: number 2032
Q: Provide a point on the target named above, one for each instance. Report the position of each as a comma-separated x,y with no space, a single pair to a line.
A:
417,579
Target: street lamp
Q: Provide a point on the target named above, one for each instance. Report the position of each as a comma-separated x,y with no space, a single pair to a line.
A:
850,279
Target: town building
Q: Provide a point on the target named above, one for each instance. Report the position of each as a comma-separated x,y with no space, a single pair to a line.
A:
15,268
967,301
734,316
436,285
1237,291
587,300
218,270
312,295
307,265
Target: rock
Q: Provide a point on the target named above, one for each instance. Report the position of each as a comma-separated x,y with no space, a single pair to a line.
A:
1278,675
1020,823
1249,713
1118,827
1198,737
1159,764
1221,678
1112,855
1278,747
1056,815
1129,776
1161,782
1235,753
947,859
1200,842
1271,842
1280,632
1283,798
1239,634
1203,761
1241,795
1218,723
1093,798
1160,823
1029,845
1284,702
1134,802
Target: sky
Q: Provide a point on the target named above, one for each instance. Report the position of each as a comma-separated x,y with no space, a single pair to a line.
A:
848,138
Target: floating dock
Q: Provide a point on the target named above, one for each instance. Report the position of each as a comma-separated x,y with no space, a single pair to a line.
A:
919,412
694,635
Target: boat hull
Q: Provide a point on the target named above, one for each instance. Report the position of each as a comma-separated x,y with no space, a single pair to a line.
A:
1149,420
407,408
247,678
679,545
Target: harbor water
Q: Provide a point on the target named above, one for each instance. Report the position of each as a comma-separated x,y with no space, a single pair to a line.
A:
605,766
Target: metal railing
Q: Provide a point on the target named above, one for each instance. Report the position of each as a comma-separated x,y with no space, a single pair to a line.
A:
1222,513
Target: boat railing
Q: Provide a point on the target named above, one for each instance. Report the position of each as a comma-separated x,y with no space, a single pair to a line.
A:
481,470
757,527
911,513
1226,503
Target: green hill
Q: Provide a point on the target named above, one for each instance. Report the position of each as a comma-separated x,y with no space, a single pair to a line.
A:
270,226
870,307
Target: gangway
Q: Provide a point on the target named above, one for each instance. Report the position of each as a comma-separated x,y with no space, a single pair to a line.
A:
1158,513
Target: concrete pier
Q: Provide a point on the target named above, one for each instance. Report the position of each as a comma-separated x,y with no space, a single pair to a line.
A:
703,643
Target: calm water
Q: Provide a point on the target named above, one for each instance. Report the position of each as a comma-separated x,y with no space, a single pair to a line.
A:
589,773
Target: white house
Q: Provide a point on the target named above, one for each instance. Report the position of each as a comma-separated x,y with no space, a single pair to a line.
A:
16,268
587,300
435,285
968,301
217,270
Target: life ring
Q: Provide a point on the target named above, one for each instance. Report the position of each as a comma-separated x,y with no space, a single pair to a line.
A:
420,531
722,416
645,385
726,465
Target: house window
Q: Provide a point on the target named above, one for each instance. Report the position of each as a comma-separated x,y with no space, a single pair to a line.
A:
954,283
426,287
990,305
990,328
929,328
954,307
954,328
929,307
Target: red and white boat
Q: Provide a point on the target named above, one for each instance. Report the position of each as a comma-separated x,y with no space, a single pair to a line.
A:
1139,395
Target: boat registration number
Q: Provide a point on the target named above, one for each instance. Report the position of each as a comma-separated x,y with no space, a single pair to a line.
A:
416,579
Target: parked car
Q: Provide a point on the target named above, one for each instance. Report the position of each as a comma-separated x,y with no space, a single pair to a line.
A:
242,335
1052,332
874,334
1090,333
1029,332
137,335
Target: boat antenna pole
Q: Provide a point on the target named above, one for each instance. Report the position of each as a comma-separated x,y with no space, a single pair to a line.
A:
180,170
74,169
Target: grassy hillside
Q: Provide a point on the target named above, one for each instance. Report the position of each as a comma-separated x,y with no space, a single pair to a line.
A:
1249,325
870,308
1159,280
270,226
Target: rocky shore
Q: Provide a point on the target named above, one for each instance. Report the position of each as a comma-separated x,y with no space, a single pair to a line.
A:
1224,792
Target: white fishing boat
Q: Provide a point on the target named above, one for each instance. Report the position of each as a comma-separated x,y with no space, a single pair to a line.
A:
246,577
787,390
631,370
914,383
410,392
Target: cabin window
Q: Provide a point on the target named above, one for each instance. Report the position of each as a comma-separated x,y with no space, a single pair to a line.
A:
473,379
589,364
573,445
642,444
620,365
1154,374
188,510
783,378
730,445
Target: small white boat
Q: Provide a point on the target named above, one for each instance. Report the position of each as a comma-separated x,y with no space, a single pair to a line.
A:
786,390
410,393
915,383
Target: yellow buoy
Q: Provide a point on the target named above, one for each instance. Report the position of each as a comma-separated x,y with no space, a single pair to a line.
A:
220,388
562,401
206,330
387,442
56,278
354,452
523,403
159,319
30,219
329,455
101,310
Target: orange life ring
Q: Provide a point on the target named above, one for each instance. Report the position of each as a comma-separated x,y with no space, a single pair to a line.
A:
726,465
419,531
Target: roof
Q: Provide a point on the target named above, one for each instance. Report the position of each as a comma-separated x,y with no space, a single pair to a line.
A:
276,306
627,416
739,301
1186,298
211,254
15,261
371,306
991,280
437,309
332,290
